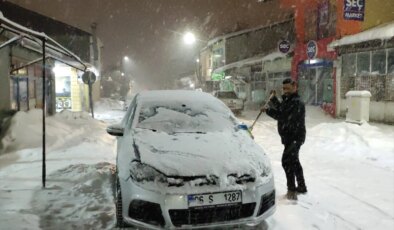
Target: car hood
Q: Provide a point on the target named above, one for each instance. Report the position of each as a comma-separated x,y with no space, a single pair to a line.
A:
192,154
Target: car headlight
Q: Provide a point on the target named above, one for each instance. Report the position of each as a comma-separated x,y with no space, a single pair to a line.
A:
142,172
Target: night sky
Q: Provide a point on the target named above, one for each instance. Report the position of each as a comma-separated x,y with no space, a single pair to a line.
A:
149,31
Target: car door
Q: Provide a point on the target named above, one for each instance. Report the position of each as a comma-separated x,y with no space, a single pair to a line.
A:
125,151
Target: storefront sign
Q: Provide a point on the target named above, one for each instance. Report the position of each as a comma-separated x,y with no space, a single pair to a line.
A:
89,77
284,46
354,10
311,49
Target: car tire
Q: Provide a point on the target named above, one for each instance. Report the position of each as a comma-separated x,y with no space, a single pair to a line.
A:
119,207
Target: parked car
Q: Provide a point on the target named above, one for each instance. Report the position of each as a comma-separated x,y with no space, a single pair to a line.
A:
231,99
185,161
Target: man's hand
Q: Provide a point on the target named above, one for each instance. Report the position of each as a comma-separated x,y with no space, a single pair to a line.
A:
263,109
272,94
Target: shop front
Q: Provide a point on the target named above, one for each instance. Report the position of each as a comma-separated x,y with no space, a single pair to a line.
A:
366,63
313,69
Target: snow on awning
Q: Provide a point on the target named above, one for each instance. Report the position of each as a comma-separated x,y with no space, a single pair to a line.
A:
383,32
251,61
33,40
237,33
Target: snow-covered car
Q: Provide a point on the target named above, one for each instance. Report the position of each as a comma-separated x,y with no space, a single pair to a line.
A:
231,99
185,161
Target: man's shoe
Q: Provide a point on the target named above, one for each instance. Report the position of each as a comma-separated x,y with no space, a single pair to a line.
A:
291,195
301,190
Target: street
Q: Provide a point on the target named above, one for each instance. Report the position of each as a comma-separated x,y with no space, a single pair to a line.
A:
349,175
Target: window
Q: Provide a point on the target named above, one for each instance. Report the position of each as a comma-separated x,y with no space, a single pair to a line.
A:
390,61
363,63
349,65
379,62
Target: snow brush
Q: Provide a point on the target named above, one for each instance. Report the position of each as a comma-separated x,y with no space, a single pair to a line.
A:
272,94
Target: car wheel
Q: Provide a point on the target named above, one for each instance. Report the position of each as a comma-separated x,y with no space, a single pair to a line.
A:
118,203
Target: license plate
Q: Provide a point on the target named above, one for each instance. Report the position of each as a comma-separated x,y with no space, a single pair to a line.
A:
225,198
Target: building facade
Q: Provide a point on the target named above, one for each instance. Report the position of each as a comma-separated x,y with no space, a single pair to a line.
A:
248,61
318,65
21,75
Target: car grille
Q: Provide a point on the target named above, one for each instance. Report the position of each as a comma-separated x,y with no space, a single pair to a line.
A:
206,215
267,201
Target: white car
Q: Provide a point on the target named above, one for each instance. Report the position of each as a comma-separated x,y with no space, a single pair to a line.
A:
231,99
185,161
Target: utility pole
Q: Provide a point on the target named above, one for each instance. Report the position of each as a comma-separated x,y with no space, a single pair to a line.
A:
43,113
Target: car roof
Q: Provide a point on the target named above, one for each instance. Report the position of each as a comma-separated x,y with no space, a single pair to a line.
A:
193,97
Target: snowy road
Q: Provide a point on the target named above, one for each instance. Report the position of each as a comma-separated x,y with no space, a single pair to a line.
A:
349,171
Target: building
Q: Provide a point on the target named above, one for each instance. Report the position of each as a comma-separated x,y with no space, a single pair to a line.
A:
318,58
21,66
250,60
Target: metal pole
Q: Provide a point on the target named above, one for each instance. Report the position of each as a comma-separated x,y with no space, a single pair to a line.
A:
43,114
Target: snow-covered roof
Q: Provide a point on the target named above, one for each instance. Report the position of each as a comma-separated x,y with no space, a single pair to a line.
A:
382,32
226,36
250,61
363,93
33,35
175,95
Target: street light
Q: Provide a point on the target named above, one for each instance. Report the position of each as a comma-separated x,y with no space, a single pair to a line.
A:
189,38
126,58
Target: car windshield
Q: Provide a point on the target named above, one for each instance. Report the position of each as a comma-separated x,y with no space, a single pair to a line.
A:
183,118
227,95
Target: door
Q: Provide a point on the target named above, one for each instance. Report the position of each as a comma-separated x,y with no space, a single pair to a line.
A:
20,93
315,84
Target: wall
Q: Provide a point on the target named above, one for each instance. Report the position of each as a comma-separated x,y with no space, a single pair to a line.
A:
96,91
378,111
5,102
378,12
205,65
76,95
258,42
280,65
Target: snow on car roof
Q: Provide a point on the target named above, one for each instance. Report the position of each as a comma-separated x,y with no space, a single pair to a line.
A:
197,97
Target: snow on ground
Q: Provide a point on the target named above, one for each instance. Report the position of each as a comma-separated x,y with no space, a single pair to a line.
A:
80,165
349,171
109,110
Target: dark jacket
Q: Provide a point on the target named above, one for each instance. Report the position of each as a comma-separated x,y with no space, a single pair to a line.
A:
290,114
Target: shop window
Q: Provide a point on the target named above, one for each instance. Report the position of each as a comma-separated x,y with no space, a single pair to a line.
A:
379,62
349,65
363,63
390,61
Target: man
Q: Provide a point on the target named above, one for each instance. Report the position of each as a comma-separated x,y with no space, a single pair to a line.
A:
290,114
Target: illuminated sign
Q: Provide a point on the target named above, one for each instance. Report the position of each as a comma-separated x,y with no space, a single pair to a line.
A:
284,46
311,49
354,10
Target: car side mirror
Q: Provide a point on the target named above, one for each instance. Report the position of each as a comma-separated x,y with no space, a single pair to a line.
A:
115,130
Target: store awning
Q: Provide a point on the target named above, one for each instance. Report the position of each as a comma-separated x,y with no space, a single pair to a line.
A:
382,32
33,41
251,61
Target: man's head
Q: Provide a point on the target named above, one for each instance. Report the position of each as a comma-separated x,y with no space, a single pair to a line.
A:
289,87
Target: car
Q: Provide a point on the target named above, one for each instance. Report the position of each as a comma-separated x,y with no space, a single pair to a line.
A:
231,99
185,161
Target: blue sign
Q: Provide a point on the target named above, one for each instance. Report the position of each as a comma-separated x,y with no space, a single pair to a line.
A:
354,10
284,46
311,49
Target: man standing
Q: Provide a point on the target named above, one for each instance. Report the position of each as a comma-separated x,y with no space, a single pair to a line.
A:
290,114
